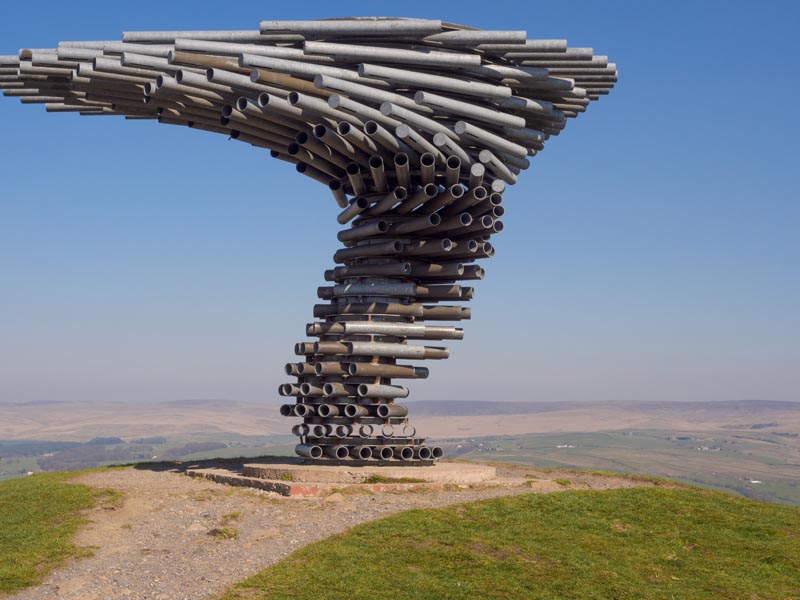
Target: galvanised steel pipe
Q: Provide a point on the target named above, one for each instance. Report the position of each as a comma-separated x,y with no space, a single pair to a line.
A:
309,450
392,269
370,26
418,142
427,192
365,92
330,368
407,330
375,390
384,452
339,452
438,82
364,112
395,350
448,197
361,452
384,411
429,58
415,224
402,170
377,171
356,207
358,369
485,103
405,453
450,106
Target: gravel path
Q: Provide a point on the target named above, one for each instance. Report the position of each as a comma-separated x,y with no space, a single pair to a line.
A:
157,544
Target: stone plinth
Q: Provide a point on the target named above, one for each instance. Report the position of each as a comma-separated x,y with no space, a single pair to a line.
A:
442,472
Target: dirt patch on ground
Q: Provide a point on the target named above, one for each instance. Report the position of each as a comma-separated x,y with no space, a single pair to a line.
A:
164,540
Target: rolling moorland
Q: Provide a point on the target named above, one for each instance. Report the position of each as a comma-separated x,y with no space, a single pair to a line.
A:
749,447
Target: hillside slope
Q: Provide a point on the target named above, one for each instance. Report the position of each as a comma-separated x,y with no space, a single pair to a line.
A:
627,543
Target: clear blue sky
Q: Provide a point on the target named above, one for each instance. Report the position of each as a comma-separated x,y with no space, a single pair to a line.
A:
650,253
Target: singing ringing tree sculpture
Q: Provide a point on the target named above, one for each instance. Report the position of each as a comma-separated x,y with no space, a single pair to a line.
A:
416,127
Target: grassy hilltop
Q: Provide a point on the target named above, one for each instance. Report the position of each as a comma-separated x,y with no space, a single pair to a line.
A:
665,541
626,543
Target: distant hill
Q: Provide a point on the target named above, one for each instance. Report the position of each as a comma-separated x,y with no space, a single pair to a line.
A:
442,408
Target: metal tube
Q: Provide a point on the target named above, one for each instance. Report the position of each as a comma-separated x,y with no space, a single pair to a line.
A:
361,452
353,171
308,450
384,269
384,452
488,138
337,189
321,107
453,170
427,164
376,390
427,247
169,37
322,311
386,203
378,173
378,249
370,26
356,137
450,195
386,370
402,170
339,452
419,198
358,90
366,113
419,143
472,37
393,55
375,288
327,410
405,453
329,368
339,389
416,224
388,349
474,111
235,49
439,82
497,166
355,410
356,207
363,231
300,68
384,411
417,120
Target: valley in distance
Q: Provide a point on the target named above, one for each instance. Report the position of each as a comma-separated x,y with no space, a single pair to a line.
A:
749,447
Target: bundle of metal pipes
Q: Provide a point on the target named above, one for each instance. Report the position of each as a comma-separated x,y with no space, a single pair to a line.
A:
416,127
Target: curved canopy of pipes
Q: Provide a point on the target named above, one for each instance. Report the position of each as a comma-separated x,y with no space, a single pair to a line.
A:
415,126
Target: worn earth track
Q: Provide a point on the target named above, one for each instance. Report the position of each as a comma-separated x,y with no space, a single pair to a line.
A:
157,544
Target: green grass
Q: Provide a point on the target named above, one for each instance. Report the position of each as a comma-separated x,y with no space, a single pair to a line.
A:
648,543
39,516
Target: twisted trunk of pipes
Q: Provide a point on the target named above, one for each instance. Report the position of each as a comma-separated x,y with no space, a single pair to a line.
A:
404,254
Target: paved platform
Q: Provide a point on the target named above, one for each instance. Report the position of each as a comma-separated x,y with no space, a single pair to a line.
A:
300,480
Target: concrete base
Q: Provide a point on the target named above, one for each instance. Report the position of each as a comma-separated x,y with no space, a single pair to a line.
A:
441,472
300,480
